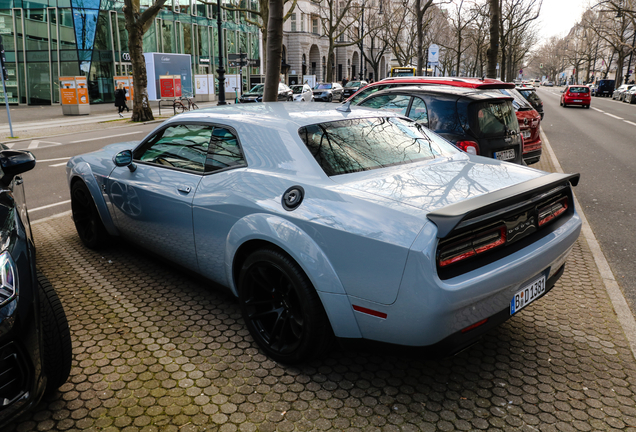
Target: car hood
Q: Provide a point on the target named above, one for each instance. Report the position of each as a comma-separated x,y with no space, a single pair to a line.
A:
437,183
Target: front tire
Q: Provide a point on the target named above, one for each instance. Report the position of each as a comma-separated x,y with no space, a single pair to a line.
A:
330,98
282,309
88,223
57,349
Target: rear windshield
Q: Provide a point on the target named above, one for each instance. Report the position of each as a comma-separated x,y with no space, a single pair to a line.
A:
579,90
323,86
519,102
348,146
492,119
531,95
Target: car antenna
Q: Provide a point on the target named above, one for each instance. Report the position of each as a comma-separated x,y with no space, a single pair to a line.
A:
345,107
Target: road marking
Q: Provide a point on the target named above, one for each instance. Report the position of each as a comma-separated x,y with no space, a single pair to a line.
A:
627,121
53,160
49,206
612,115
106,137
36,143
598,110
9,145
58,165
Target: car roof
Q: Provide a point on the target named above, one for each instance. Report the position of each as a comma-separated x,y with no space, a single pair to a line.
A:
272,114
477,83
470,93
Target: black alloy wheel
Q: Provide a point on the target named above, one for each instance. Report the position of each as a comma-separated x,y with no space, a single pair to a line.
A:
282,309
57,349
330,98
88,223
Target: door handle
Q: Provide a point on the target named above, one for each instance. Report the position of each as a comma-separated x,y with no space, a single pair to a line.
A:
184,189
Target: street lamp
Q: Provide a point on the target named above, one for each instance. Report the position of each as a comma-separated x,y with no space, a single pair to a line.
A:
221,69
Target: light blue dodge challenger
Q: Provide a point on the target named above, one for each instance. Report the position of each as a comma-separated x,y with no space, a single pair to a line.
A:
324,222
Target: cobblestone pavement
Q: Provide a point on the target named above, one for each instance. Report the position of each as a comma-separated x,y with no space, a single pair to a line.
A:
158,350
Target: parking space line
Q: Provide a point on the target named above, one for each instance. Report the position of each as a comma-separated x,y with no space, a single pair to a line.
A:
53,160
49,206
612,115
631,123
599,110
106,137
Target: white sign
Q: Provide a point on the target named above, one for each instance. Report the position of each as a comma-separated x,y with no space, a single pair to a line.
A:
310,80
231,83
433,54
201,84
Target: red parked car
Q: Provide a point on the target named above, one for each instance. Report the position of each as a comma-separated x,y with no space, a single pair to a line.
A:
528,118
576,95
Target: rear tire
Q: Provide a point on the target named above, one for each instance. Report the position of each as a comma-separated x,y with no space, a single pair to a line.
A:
57,349
88,223
281,308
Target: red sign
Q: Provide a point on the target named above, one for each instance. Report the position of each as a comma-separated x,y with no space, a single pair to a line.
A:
170,86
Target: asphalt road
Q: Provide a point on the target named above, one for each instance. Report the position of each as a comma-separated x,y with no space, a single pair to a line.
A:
600,143
45,186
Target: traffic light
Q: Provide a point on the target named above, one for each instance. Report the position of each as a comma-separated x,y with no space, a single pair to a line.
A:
3,61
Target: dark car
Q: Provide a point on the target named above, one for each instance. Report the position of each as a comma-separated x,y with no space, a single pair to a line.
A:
353,86
256,94
528,118
478,122
327,92
530,93
619,93
605,88
35,340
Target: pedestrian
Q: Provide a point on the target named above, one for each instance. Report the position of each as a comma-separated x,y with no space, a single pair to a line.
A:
345,81
120,99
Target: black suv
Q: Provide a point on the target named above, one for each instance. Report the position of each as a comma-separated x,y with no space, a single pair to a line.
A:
530,93
481,122
35,340
605,88
353,86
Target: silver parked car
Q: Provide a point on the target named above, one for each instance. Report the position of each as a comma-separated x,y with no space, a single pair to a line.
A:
347,222
302,93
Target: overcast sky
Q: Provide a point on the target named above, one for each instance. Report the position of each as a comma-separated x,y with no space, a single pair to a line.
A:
558,16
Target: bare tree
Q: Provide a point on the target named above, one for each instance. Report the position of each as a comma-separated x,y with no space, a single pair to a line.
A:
274,50
137,23
493,50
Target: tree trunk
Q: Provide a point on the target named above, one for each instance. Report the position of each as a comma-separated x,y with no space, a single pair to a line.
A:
330,56
141,106
459,52
493,50
420,36
274,50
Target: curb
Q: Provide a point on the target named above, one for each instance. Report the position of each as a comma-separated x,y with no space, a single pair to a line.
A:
621,307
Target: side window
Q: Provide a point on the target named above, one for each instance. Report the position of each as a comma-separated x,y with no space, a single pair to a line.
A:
366,92
391,102
179,146
224,151
418,111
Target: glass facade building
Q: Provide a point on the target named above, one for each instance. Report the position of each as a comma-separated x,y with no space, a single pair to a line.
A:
46,39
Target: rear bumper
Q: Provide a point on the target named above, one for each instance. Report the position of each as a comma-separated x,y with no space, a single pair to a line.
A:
532,157
573,101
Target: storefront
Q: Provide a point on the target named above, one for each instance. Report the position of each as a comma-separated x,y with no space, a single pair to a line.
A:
45,40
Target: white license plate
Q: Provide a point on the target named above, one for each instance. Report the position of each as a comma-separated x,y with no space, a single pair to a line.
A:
505,154
527,295
526,134
577,100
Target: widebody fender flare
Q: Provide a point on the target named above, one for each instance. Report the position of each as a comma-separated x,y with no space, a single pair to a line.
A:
83,171
304,250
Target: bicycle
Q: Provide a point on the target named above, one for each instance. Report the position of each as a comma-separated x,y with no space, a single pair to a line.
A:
179,106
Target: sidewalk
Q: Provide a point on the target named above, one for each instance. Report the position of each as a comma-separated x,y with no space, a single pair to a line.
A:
50,120
157,350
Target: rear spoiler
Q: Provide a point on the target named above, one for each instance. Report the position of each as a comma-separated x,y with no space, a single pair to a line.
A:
490,205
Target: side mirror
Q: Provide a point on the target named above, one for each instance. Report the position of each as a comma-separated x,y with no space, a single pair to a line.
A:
14,162
125,159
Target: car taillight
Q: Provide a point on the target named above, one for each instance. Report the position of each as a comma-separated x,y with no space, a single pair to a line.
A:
470,147
471,246
552,211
